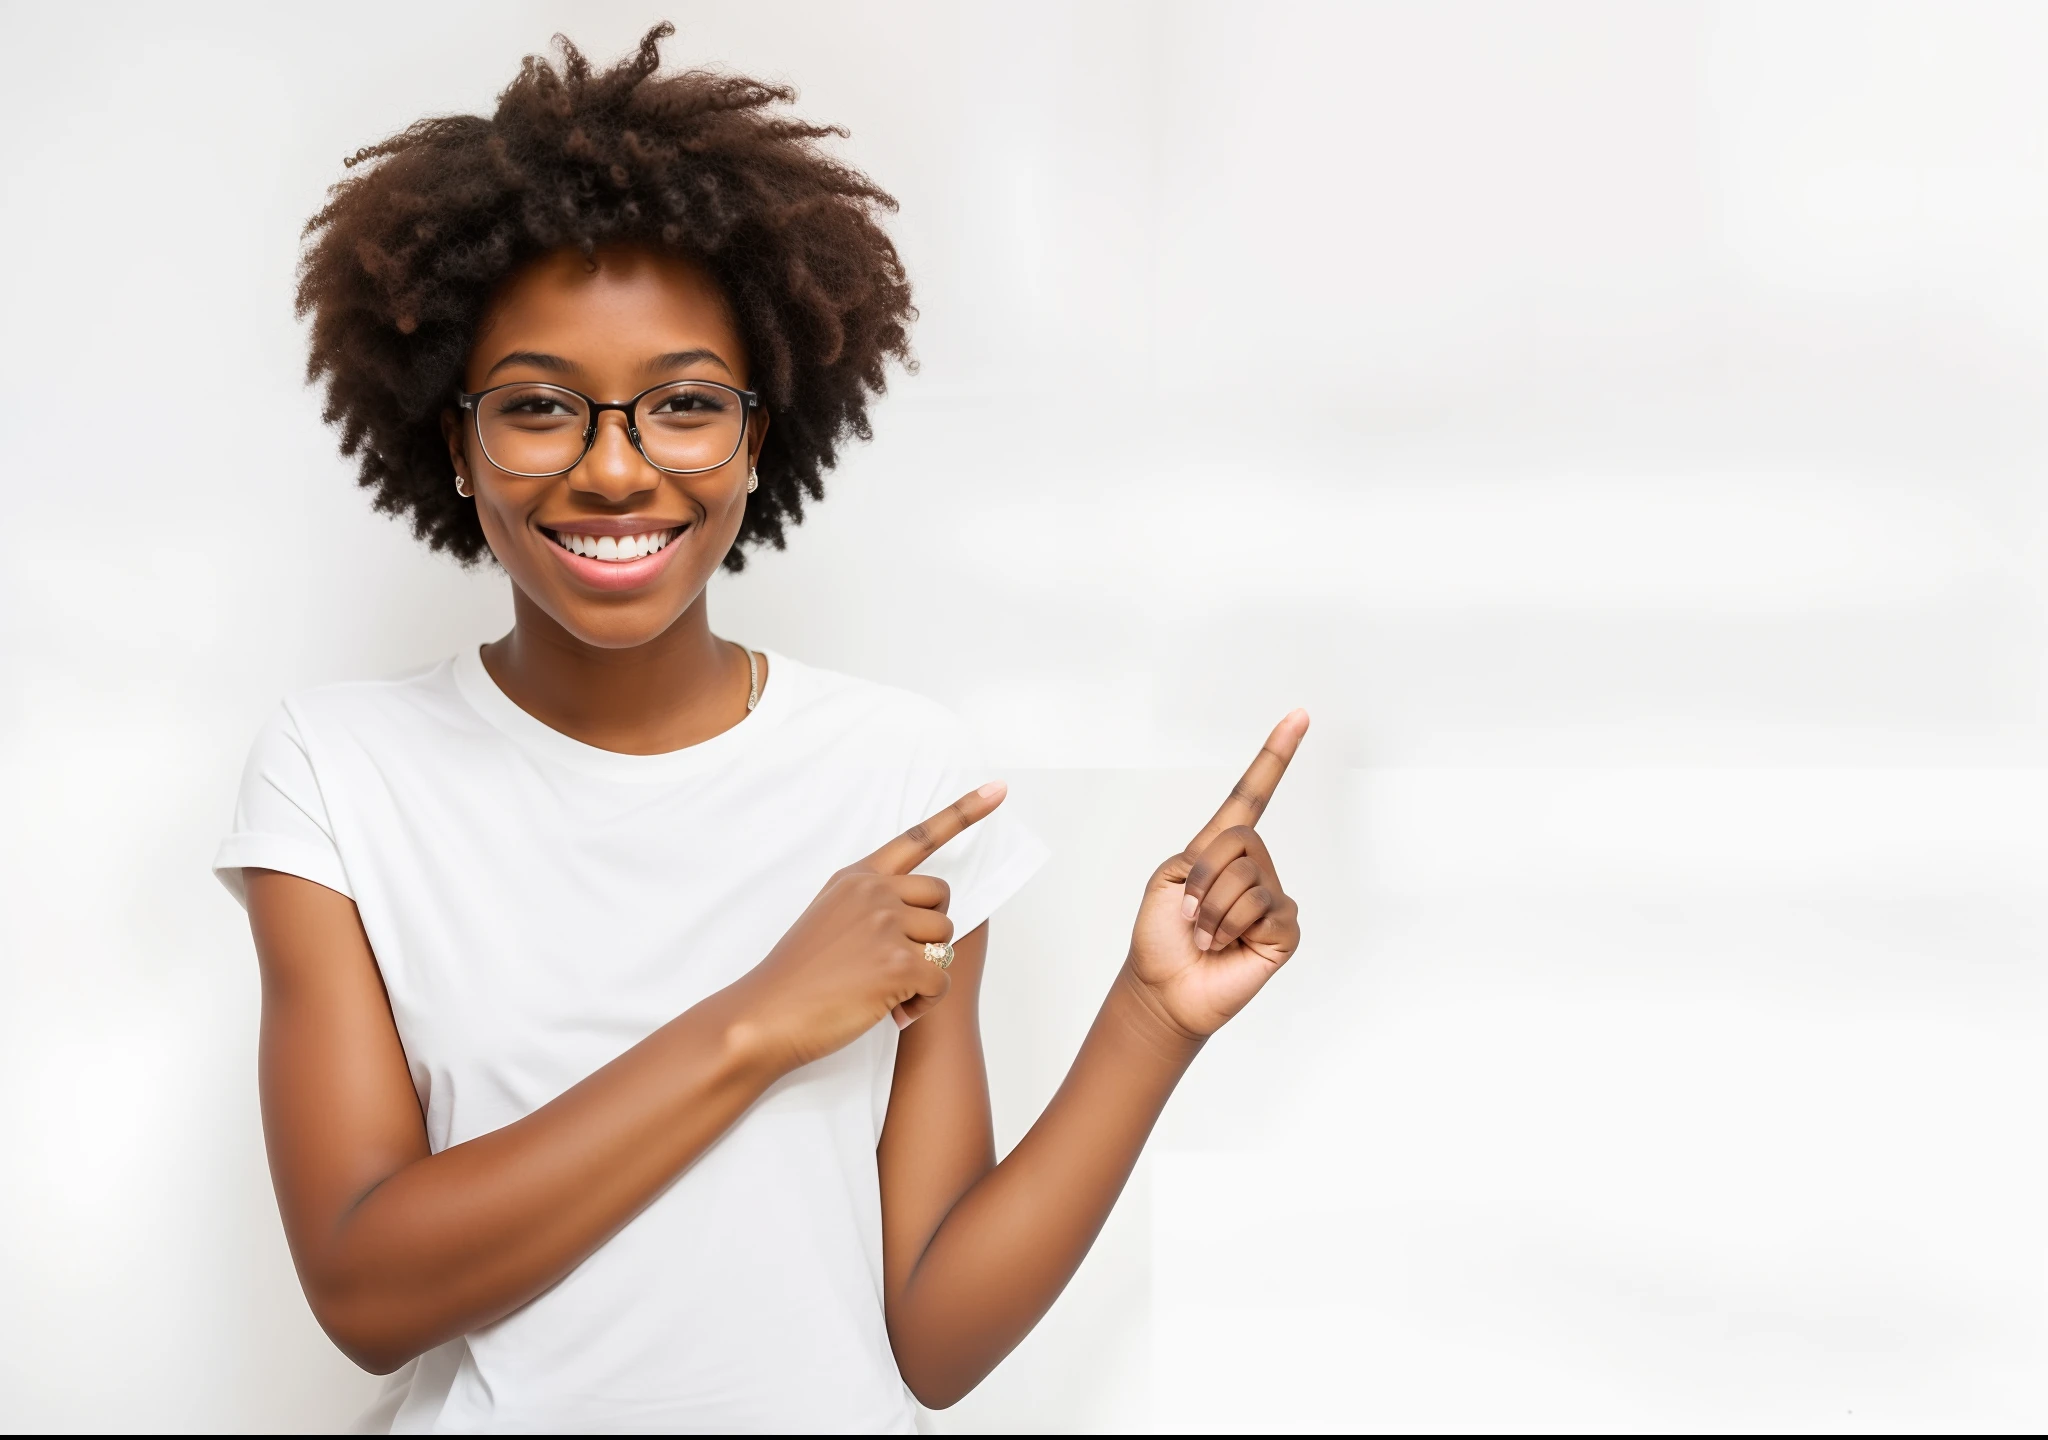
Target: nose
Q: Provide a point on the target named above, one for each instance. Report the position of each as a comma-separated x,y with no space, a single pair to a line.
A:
614,471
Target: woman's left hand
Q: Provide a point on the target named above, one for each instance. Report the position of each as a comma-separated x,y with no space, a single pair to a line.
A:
1215,923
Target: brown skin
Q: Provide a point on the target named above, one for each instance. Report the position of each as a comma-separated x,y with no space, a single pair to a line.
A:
400,1249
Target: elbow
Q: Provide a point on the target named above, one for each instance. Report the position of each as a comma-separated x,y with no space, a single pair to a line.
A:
936,1386
939,1398
376,1353
362,1333
377,1360
939,1364
367,1348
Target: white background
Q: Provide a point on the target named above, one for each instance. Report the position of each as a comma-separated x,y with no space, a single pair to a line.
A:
1621,425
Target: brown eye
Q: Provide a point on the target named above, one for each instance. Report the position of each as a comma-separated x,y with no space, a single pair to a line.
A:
533,429
690,402
536,406
691,426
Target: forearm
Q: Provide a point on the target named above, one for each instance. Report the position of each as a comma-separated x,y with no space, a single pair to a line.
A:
1010,1244
457,1239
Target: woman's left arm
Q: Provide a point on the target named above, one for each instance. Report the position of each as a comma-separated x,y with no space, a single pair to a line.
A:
975,1252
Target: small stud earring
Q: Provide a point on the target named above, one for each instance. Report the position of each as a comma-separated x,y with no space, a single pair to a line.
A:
465,494
753,479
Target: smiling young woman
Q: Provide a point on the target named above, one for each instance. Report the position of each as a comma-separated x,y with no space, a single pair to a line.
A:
620,1064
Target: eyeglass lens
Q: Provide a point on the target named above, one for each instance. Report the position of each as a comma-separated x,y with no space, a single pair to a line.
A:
539,429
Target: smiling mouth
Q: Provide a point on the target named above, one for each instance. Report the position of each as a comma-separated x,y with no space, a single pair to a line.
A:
615,548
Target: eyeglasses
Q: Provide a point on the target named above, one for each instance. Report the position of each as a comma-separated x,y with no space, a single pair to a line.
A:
683,427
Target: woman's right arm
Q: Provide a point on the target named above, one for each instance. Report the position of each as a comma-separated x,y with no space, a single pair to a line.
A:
399,1248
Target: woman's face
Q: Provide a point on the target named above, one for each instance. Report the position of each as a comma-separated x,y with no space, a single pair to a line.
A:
638,318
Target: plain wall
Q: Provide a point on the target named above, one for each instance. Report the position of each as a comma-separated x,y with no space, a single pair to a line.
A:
1621,425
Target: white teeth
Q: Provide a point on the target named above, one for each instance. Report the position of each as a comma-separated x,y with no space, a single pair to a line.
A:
616,547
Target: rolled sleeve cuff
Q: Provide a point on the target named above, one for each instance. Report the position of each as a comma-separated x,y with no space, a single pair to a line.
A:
971,909
277,852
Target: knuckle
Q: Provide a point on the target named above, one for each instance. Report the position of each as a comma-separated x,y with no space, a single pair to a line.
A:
919,834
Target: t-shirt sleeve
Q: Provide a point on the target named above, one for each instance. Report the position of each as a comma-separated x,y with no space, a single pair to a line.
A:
280,820
989,862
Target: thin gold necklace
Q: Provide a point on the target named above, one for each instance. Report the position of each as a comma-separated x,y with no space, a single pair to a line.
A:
753,679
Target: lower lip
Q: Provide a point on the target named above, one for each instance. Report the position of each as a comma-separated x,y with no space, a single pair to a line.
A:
616,574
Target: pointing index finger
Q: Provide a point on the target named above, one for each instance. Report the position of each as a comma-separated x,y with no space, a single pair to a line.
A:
917,844
1248,797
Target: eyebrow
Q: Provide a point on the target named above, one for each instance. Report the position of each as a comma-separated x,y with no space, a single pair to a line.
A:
556,365
538,359
677,359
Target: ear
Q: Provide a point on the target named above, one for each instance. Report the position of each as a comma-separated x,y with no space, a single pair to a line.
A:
457,437
757,434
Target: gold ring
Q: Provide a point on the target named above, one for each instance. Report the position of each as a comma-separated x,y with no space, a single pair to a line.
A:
940,954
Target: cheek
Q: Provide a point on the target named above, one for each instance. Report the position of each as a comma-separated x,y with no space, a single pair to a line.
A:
724,504
501,529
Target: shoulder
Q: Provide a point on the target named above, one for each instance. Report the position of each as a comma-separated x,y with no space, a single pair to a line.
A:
865,715
365,711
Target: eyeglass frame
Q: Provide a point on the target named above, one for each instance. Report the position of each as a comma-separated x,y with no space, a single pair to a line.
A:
750,401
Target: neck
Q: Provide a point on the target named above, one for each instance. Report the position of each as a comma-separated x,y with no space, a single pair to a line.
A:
679,689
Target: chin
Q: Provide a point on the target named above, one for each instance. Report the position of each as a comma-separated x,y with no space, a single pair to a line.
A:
625,619
622,624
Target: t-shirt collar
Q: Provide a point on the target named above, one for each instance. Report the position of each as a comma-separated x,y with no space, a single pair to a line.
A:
476,686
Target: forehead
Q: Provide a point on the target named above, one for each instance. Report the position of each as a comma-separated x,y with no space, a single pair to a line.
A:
617,307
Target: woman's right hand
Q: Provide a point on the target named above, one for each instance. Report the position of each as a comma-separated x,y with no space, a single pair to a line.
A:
856,954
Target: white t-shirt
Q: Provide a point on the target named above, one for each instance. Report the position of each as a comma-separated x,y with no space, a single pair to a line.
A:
538,906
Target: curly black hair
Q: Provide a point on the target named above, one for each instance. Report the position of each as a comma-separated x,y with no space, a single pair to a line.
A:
401,262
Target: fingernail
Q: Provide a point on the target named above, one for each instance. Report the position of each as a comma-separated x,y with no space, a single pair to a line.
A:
1202,939
993,790
1188,906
